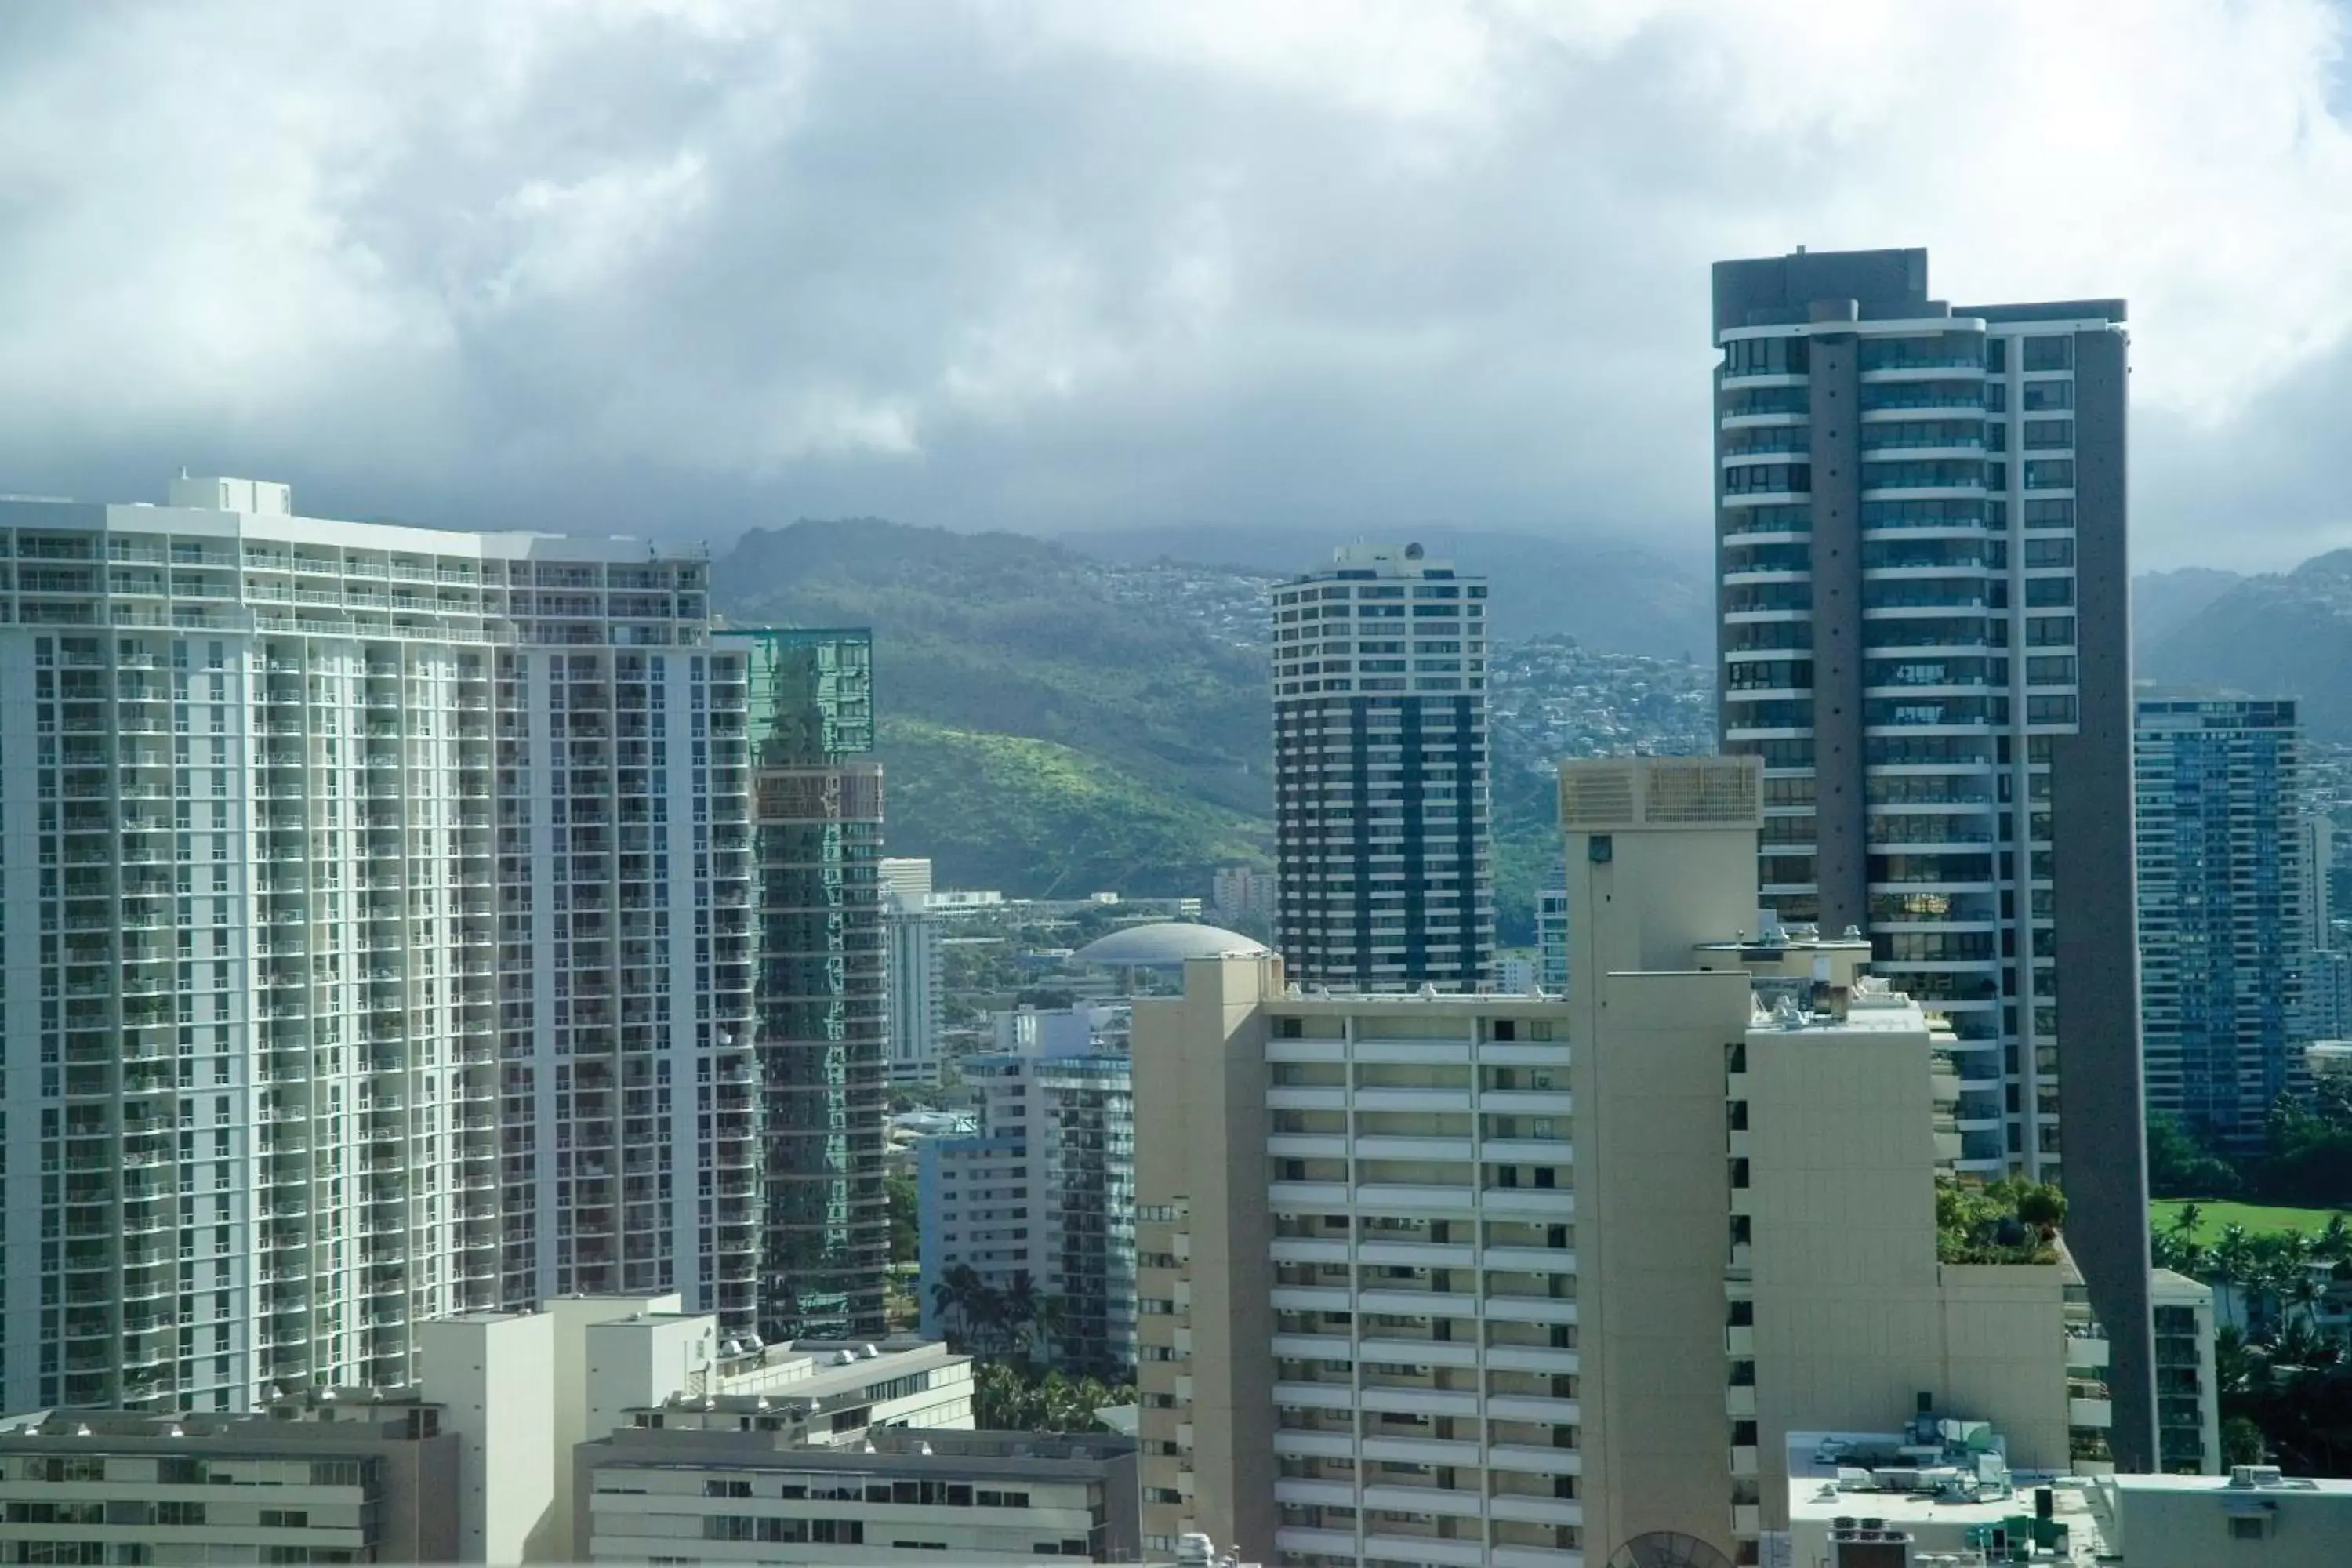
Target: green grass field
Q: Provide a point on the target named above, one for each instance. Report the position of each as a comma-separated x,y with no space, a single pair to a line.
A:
2213,1217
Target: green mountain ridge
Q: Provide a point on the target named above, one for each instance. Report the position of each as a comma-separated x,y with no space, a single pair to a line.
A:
1036,735
2278,635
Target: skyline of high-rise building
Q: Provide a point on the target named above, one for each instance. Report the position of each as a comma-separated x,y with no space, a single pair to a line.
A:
821,995
352,885
1541,1281
1923,635
2224,909
1047,1184
1380,773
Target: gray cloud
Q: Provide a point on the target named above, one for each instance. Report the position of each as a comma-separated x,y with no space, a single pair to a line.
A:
683,268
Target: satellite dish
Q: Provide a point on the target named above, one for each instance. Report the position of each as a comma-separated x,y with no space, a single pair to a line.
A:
1413,552
1667,1549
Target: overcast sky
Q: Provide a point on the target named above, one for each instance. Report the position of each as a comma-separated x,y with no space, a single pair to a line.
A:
684,268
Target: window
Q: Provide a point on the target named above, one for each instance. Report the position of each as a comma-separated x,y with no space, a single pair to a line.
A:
2248,1527
2049,353
2042,396
2049,474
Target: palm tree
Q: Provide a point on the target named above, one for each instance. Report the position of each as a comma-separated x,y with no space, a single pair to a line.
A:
2333,1243
2307,1290
988,1318
962,1294
2232,1255
2186,1218
1021,1299
1046,1325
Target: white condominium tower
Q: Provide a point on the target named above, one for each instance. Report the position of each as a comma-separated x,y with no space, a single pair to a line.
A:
1924,636
1380,772
376,941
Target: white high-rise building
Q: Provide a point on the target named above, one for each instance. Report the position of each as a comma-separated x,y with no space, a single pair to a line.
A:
918,1002
1380,772
1048,1186
906,880
377,941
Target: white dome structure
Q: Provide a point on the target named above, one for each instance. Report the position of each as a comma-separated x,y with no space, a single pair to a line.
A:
1167,944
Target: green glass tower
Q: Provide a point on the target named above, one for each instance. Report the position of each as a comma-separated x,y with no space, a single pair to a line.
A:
820,992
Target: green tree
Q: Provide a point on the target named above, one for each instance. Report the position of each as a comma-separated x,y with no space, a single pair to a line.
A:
906,1233
2241,1441
2043,1207
2180,1167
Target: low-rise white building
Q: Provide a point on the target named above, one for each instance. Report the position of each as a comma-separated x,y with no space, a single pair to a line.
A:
2188,1388
2252,1518
474,1463
664,1493
365,1478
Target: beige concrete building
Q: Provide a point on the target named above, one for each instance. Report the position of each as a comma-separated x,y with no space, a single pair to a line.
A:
731,1496
1461,1279
368,1478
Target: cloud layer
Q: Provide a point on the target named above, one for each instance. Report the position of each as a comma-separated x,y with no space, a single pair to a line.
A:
686,266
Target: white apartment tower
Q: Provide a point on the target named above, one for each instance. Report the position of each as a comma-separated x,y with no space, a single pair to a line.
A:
1380,779
917,1001
375,941
1048,1185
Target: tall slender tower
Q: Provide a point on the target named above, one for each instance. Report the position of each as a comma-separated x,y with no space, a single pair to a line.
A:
1925,634
1380,772
348,869
2224,931
822,994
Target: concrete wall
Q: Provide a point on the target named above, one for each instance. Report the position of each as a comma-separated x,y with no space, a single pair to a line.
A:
1840,1147
494,1377
2104,1156
1842,840
1652,1198
1199,1064
572,1315
2160,1524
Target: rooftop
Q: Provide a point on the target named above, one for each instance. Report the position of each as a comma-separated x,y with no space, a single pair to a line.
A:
1167,944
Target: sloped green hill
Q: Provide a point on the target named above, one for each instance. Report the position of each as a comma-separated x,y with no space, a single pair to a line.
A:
1036,732
1040,817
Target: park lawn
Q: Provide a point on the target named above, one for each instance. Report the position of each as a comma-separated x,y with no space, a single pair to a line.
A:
2213,1217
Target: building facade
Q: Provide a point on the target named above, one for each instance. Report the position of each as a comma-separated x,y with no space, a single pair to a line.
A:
1534,1281
1046,1187
1551,939
1244,894
917,1001
371,1483
2224,909
359,870
821,995
1380,773
1924,637
2188,1388
722,1495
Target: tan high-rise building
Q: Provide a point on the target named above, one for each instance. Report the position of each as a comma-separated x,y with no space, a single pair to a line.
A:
1464,1279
